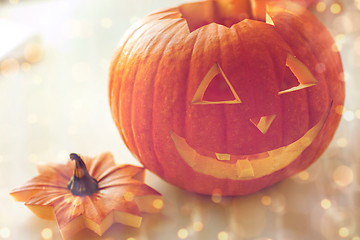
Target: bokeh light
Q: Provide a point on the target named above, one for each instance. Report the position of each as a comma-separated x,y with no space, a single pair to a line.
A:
33,52
128,196
343,232
343,176
357,113
303,175
266,200
335,8
5,232
342,142
25,66
198,226
216,196
9,67
339,109
223,236
349,116
321,7
325,203
46,234
182,233
158,203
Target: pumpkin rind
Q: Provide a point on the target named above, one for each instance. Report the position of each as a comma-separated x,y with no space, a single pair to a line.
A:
159,66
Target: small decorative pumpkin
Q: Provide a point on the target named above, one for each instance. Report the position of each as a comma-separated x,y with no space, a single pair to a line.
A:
227,98
93,199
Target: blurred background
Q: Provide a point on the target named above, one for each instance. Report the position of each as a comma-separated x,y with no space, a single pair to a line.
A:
54,59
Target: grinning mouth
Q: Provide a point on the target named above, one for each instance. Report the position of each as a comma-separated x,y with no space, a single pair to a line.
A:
247,166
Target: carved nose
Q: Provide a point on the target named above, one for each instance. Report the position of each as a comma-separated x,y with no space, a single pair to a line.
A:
263,123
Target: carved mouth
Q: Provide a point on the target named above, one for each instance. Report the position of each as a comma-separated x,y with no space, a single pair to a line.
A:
247,166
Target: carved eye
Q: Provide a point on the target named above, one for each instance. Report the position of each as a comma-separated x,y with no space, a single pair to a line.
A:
215,88
263,123
297,76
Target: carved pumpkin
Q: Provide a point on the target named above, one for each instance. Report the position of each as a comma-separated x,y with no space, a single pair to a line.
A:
227,97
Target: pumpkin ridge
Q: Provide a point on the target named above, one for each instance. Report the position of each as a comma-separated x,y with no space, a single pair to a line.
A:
152,44
118,82
187,95
113,100
116,56
181,26
128,136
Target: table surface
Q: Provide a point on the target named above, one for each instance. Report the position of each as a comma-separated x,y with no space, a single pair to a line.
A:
55,102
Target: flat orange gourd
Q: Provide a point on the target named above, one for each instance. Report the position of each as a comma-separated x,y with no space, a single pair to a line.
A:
227,98
94,199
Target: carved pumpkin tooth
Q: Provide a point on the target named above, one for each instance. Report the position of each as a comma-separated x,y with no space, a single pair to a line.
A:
223,156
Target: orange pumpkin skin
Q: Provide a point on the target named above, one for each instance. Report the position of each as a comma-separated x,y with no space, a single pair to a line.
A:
159,66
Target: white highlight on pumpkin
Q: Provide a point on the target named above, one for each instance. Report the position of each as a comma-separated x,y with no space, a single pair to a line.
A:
199,94
301,72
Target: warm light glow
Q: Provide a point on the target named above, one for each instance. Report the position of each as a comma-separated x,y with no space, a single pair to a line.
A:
131,238
266,200
356,237
183,233
46,234
344,232
349,116
343,176
325,203
5,232
36,79
304,175
13,1
320,6
339,109
158,203
33,52
25,66
9,67
223,236
335,8
198,226
357,114
216,196
342,142
128,196
320,67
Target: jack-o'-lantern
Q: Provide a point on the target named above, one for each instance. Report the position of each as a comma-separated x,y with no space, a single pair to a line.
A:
227,96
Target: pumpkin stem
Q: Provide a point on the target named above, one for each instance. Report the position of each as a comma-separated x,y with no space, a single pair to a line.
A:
81,183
